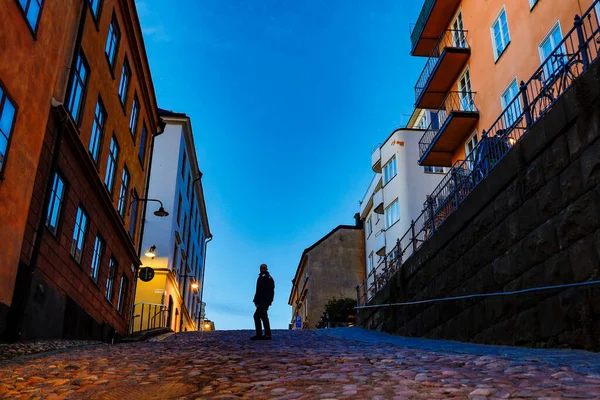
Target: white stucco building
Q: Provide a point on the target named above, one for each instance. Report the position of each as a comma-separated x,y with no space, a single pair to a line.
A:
395,196
178,241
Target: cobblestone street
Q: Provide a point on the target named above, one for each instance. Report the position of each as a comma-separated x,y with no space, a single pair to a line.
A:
336,363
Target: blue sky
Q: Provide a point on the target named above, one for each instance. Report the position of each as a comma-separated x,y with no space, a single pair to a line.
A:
287,100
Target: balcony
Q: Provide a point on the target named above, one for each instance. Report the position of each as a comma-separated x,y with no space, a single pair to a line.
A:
380,243
376,160
446,62
454,121
378,202
435,16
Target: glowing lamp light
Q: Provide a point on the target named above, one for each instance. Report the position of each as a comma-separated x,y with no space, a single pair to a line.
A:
512,141
206,326
151,253
195,285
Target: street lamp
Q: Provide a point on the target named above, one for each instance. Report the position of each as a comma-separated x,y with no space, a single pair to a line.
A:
159,213
151,252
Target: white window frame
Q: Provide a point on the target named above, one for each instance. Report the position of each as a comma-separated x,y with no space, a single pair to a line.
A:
467,152
370,263
369,225
388,219
546,38
387,177
504,103
532,3
433,170
494,44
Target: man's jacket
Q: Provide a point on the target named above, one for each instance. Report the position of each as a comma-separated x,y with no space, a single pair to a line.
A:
265,290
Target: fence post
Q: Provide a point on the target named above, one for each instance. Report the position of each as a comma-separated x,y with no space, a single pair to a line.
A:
583,46
398,251
357,295
526,105
432,217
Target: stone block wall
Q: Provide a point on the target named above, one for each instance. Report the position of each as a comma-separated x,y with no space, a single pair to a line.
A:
535,221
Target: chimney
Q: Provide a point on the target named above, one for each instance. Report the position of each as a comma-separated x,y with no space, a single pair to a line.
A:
358,222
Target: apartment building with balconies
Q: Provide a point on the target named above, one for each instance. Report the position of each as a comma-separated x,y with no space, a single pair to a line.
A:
395,196
175,245
477,53
90,129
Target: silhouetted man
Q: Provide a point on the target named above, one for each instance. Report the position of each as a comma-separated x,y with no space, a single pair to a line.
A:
265,290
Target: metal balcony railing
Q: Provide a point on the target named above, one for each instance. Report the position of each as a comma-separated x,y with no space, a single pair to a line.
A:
417,28
454,101
456,39
579,48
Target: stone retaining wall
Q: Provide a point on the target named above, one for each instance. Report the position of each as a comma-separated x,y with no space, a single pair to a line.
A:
535,221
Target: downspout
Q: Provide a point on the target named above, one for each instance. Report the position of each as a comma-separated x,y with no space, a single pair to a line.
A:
18,310
204,269
161,129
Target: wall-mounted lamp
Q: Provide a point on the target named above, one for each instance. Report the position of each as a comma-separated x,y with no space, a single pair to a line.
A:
195,286
159,213
151,252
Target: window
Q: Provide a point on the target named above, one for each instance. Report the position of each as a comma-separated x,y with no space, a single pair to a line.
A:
7,119
532,3
548,45
389,171
513,110
392,214
31,9
597,9
122,204
111,165
95,7
123,288
179,210
500,34
183,165
174,265
133,216
110,279
135,113
124,83
458,32
184,225
77,84
96,258
55,205
434,170
142,151
469,147
465,93
97,131
79,232
370,263
112,42
369,225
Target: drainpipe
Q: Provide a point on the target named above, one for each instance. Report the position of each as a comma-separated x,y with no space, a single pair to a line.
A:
204,269
18,310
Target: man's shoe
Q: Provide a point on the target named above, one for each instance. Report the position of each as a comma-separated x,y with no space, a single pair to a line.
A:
256,337
266,337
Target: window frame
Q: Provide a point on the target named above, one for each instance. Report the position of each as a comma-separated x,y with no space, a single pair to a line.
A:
100,142
134,118
115,165
390,224
497,54
6,96
97,257
369,225
98,14
179,204
113,266
131,229
514,83
32,30
79,235
533,3
114,23
78,118
122,298
123,190
126,68
432,169
387,179
550,36
143,145
56,228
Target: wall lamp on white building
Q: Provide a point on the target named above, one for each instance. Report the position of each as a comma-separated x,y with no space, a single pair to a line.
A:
151,253
159,213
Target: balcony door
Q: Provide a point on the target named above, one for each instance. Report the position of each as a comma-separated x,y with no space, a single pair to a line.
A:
458,32
465,93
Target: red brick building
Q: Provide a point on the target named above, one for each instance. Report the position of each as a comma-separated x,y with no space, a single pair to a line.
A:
76,275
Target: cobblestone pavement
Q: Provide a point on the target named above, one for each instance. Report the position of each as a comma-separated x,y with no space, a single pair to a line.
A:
337,363
12,350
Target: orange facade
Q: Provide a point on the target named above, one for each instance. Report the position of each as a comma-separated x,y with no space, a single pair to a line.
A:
33,68
465,59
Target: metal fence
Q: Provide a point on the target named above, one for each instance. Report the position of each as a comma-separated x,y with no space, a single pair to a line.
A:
572,56
449,39
148,316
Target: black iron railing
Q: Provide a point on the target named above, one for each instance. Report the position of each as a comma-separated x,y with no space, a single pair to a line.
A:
454,101
417,28
572,56
147,316
450,38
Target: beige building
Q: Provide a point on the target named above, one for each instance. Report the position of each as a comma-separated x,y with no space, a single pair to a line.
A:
329,268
